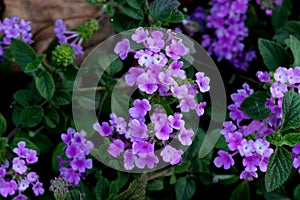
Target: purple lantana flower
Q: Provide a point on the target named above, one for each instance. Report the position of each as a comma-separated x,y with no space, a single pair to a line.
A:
278,90
122,48
129,159
146,159
185,135
142,147
202,81
140,35
176,50
140,108
104,129
19,165
171,155
116,148
224,159
9,188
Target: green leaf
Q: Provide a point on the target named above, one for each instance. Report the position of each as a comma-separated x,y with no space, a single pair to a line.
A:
45,85
255,106
281,13
242,191
273,54
16,118
61,98
274,138
161,10
32,116
184,188
51,117
276,195
136,190
222,144
156,185
29,144
297,192
173,179
22,53
202,165
34,65
291,139
121,22
101,188
114,67
74,194
3,157
279,169
27,97
290,28
294,44
135,4
3,142
3,124
290,111
178,169
43,143
176,17
209,142
117,184
58,151
130,12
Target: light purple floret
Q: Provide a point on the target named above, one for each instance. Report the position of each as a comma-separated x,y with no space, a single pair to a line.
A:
140,108
146,159
122,48
224,159
171,155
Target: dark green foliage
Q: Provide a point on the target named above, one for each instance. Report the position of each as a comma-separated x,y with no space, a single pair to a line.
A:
255,106
136,190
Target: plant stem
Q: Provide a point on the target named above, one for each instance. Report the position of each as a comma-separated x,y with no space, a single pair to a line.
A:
102,102
14,131
150,20
159,174
99,88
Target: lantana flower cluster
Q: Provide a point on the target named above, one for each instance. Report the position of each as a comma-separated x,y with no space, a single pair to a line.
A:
246,140
268,5
16,177
77,149
75,38
239,137
227,19
283,80
159,74
16,28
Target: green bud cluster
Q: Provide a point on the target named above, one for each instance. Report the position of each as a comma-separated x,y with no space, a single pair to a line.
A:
59,186
63,55
87,29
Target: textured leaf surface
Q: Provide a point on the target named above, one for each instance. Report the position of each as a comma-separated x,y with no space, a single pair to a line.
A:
273,54
45,85
255,106
279,169
290,111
